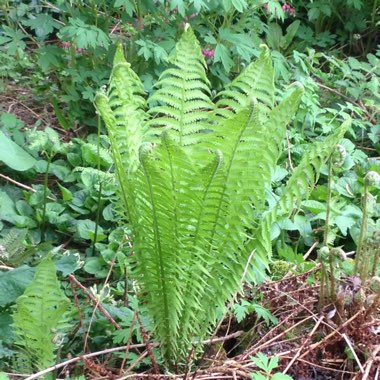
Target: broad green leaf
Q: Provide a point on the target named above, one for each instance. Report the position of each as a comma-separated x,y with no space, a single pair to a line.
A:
180,5
13,283
83,35
128,5
6,330
314,206
222,55
239,5
291,31
67,195
13,155
10,121
43,24
68,263
265,314
243,43
96,266
49,56
86,230
273,363
261,360
274,35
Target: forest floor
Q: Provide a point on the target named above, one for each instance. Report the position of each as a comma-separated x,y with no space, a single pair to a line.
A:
312,341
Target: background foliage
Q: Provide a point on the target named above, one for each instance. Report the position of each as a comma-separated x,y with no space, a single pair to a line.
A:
57,174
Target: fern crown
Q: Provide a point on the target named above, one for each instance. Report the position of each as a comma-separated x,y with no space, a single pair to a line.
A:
192,177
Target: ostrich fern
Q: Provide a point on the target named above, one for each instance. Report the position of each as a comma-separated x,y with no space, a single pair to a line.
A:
192,177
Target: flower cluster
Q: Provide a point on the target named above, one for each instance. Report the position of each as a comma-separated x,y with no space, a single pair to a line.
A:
288,8
208,53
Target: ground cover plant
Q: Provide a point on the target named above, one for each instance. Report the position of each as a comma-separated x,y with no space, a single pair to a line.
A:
222,222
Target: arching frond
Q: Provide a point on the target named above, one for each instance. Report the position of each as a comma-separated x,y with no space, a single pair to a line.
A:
251,149
122,109
298,187
182,99
169,204
255,82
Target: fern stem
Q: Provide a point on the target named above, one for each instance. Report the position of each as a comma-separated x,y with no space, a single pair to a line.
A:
328,203
45,196
161,274
375,261
98,203
363,230
99,198
327,228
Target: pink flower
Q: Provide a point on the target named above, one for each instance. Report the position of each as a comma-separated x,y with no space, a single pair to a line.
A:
288,8
208,53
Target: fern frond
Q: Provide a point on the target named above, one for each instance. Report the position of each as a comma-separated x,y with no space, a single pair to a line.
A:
169,203
256,81
250,150
38,312
298,187
122,109
12,247
183,94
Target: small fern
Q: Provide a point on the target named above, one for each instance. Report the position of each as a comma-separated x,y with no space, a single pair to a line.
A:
12,247
37,317
193,177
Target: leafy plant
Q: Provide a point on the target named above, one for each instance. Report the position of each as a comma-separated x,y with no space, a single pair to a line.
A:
38,318
267,366
13,155
244,307
192,176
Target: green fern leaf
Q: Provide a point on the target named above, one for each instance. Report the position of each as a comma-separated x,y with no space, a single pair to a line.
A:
255,82
38,313
183,94
122,108
298,187
12,247
170,205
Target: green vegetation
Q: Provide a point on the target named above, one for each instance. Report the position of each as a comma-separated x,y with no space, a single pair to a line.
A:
187,183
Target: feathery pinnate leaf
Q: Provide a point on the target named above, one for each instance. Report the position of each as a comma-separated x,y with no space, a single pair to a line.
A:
38,314
298,188
255,82
183,97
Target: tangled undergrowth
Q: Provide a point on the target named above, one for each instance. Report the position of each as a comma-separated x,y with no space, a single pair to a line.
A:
309,344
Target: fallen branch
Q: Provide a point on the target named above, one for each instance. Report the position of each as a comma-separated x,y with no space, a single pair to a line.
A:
95,301
116,349
83,357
